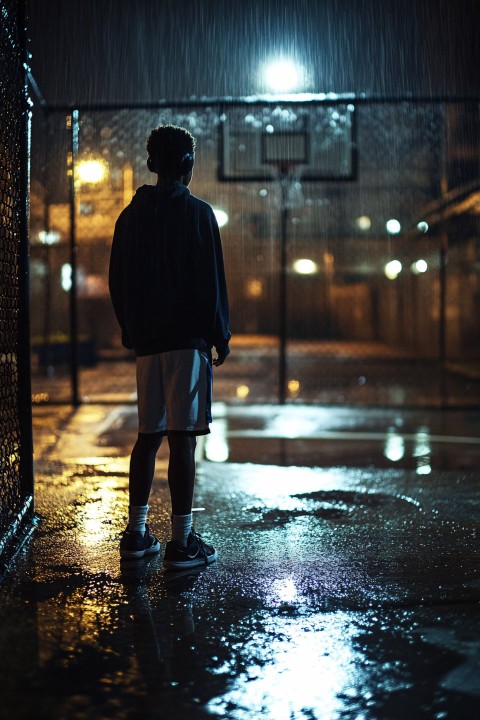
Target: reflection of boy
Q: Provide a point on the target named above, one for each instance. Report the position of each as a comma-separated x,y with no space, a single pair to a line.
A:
167,284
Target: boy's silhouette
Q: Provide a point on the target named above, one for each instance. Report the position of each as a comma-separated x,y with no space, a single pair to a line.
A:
167,284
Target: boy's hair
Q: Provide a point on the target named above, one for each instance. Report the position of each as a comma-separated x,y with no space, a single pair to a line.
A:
167,146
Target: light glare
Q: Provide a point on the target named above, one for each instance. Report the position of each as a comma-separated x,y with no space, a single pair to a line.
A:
91,171
216,444
394,448
283,75
66,277
243,391
393,226
304,266
418,267
254,288
221,216
293,387
363,222
49,237
393,269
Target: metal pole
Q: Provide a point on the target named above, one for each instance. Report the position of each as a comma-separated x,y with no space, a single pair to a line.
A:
442,273
72,125
442,329
282,359
23,356
48,290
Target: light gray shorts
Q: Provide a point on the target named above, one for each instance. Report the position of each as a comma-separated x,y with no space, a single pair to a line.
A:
174,391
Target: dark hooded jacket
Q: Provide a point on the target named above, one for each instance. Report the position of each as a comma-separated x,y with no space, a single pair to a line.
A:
166,278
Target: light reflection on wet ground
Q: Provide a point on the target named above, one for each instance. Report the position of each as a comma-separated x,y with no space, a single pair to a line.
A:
340,591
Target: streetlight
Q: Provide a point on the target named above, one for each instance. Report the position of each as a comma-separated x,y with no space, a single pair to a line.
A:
283,75
305,266
91,171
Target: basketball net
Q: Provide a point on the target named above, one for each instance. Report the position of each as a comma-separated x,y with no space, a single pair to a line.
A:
288,175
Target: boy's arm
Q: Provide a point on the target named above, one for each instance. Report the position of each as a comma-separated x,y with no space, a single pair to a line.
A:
221,329
115,276
222,332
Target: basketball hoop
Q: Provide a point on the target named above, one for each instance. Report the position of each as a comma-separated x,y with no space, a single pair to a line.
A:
284,143
286,151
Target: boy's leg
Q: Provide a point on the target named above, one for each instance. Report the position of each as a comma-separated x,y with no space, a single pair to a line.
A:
142,467
188,396
181,472
181,482
152,427
137,541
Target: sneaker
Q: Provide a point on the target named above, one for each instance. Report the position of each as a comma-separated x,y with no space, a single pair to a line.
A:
134,545
195,554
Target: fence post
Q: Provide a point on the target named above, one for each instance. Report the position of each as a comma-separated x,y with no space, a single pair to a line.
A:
16,445
283,304
72,125
23,357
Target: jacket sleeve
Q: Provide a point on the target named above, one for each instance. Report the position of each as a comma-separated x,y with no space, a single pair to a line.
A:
116,274
221,332
217,287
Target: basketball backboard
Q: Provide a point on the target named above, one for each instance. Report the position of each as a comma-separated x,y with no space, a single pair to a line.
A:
316,139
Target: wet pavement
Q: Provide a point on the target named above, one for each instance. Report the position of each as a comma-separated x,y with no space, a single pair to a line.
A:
347,584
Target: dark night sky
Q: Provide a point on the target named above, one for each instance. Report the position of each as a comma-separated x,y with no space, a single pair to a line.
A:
146,50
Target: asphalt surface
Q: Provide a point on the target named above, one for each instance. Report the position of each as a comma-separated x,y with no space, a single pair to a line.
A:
347,584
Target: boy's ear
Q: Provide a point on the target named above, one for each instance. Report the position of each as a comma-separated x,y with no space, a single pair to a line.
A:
151,165
186,163
187,179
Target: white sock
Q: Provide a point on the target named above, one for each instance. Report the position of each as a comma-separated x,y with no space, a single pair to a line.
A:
181,526
137,518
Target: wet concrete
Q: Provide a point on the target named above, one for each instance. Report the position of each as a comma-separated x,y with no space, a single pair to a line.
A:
347,584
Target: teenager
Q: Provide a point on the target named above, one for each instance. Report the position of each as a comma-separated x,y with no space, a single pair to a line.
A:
167,284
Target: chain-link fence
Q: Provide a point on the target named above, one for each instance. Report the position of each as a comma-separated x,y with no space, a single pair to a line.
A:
16,480
377,246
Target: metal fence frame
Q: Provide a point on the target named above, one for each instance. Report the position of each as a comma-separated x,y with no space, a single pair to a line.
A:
74,112
16,519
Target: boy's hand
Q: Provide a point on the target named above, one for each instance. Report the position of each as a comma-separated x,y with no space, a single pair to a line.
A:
222,354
